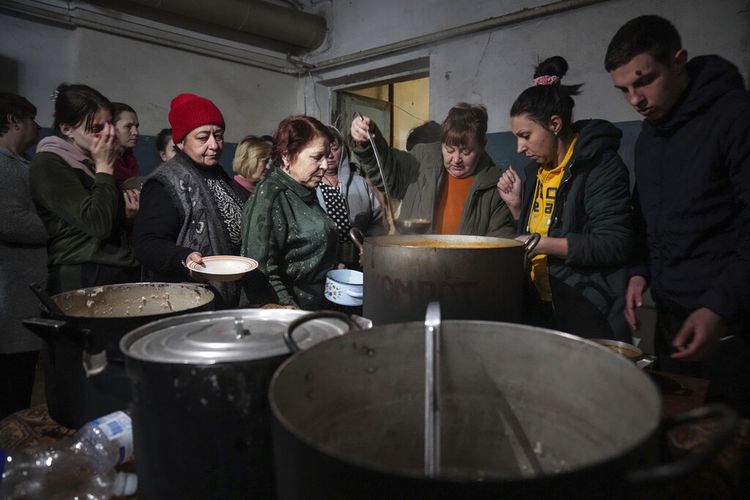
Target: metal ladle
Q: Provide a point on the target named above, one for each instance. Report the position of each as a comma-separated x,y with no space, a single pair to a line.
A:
432,390
386,194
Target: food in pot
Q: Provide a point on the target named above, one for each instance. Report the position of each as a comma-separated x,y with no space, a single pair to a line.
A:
622,348
459,244
129,300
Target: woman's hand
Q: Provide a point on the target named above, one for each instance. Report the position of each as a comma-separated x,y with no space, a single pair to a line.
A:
633,299
104,149
360,130
132,199
196,257
556,247
509,189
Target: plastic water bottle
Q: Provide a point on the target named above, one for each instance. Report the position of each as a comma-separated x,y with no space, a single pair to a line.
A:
81,466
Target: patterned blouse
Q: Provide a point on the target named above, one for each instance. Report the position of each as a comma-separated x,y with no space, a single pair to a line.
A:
337,210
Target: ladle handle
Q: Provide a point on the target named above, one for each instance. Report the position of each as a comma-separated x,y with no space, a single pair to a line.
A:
672,471
358,238
289,339
390,219
432,390
45,299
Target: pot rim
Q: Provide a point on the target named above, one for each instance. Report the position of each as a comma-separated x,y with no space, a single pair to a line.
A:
271,315
196,287
330,277
402,240
364,464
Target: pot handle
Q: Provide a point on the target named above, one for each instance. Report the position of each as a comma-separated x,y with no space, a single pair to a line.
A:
49,329
289,340
531,243
728,422
358,238
93,352
45,299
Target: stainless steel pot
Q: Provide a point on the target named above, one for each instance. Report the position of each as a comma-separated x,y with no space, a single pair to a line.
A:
86,334
524,413
200,411
472,277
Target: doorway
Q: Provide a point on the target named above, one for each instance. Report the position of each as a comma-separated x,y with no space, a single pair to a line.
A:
396,107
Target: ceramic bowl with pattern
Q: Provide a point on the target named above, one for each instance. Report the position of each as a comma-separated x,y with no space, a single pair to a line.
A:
344,287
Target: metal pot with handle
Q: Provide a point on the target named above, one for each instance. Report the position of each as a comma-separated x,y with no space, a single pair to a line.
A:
83,366
200,410
472,277
522,412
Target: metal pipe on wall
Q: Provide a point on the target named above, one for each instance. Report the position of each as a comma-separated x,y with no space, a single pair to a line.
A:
439,36
289,26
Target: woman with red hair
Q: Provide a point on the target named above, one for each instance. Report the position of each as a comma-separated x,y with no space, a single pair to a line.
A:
283,226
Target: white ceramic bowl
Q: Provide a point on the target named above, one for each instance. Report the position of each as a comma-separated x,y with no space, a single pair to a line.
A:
223,267
344,287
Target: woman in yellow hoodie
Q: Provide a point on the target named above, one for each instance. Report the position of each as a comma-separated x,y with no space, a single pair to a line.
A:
576,195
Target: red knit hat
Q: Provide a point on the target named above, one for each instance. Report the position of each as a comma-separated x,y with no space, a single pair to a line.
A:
189,111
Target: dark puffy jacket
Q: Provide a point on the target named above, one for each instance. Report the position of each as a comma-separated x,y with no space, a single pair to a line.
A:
693,190
593,211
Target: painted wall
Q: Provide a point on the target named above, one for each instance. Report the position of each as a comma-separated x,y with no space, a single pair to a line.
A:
144,75
488,67
493,67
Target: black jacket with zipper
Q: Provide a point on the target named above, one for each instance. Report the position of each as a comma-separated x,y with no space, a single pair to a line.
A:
592,210
693,196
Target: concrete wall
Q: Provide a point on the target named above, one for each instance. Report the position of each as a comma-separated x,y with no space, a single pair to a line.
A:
142,74
487,67
493,67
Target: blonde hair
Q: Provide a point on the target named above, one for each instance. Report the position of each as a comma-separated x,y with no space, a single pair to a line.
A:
250,157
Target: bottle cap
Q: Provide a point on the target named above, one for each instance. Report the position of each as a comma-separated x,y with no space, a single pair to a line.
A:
125,485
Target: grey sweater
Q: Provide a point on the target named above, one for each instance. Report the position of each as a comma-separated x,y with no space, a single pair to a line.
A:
23,255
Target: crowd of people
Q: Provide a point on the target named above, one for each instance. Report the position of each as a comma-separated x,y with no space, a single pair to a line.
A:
80,214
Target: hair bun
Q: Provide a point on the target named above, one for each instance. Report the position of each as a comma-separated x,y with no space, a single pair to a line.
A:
553,66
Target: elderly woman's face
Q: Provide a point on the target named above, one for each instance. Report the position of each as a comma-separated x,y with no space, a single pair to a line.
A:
204,144
334,157
461,160
310,164
127,129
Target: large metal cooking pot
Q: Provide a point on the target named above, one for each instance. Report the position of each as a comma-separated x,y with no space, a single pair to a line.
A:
473,277
524,413
88,332
200,410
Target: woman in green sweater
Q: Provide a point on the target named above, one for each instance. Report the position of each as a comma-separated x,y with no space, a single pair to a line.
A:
283,226
73,187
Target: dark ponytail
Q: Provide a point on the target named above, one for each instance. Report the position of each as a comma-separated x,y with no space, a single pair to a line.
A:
76,104
548,97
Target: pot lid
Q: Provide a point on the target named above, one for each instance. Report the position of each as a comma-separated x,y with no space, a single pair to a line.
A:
225,336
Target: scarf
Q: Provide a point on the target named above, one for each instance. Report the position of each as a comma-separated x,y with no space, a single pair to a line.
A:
68,152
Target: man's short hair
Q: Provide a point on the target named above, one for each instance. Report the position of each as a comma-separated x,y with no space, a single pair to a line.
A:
14,106
648,34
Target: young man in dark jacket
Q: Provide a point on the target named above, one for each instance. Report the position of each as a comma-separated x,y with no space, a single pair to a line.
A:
692,168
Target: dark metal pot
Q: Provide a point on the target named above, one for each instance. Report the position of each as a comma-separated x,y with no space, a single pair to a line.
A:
473,277
201,425
87,335
524,413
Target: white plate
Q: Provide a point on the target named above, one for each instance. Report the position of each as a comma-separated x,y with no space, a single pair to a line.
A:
223,267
